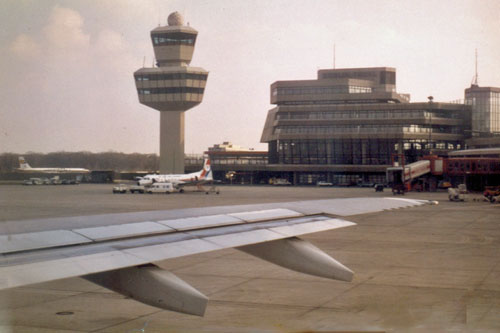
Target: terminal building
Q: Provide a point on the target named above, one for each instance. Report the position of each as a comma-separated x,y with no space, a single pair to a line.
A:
485,102
347,126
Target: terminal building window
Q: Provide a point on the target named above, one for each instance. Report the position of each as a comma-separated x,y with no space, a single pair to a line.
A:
238,160
486,111
342,179
321,90
379,114
387,77
351,151
334,152
365,129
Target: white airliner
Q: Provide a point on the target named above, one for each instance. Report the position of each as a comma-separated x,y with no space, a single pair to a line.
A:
25,167
179,180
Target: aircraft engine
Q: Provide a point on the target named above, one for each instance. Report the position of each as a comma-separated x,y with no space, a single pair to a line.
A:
154,286
301,256
145,182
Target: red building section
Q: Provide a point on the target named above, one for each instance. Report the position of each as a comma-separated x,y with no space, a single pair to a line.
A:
475,172
472,166
461,166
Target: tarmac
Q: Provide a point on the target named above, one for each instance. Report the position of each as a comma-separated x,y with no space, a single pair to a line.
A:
421,269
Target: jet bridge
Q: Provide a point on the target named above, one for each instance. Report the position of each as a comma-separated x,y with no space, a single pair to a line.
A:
399,177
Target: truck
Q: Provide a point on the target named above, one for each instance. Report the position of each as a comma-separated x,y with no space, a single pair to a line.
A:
492,193
137,188
122,188
33,181
166,188
281,182
457,194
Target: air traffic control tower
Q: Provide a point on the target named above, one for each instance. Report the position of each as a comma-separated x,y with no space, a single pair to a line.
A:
172,87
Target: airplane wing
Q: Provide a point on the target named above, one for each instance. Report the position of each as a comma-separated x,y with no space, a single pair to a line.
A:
118,251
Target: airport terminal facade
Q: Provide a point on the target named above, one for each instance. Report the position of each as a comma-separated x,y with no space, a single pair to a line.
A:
345,127
349,125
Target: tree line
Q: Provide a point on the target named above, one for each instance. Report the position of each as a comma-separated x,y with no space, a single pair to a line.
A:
116,161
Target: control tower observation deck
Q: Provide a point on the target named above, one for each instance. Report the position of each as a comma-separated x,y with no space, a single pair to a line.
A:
172,87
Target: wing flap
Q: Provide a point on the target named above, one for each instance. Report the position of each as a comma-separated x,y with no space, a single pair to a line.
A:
268,214
43,271
200,222
161,252
242,238
40,240
123,230
354,206
308,228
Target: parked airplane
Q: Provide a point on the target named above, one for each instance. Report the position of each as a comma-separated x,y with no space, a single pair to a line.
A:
119,251
25,167
199,178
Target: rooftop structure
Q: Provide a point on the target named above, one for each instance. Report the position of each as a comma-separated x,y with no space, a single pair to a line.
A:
485,103
172,88
341,86
228,146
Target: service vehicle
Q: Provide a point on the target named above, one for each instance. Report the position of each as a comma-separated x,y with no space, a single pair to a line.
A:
457,194
55,180
281,182
34,181
491,193
166,188
137,188
122,188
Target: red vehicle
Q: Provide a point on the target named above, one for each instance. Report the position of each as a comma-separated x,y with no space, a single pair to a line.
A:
490,192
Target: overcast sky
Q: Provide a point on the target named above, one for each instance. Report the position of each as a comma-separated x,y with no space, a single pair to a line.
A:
66,67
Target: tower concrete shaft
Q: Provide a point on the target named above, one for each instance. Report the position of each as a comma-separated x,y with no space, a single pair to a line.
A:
172,88
172,141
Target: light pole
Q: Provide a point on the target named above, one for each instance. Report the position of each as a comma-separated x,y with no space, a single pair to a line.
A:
430,98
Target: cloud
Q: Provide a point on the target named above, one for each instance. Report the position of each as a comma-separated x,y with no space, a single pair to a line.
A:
62,40
64,51
113,51
64,31
24,46
64,80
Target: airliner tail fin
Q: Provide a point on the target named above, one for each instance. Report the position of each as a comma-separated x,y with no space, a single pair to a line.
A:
206,172
23,164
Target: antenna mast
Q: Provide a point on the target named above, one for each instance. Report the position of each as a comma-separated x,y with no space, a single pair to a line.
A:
333,55
159,14
476,76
